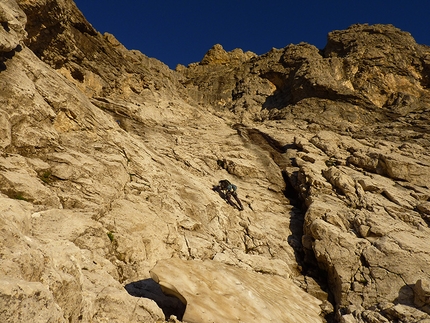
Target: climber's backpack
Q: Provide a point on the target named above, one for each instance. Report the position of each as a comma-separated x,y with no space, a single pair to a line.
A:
224,184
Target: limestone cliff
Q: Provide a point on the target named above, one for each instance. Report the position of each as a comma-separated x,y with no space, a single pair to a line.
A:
108,160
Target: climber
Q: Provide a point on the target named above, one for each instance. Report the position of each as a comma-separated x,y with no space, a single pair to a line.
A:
226,190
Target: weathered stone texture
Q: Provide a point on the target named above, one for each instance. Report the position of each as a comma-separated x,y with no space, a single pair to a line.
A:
108,159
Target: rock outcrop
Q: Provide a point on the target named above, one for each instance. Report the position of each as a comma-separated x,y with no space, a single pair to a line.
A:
235,294
108,159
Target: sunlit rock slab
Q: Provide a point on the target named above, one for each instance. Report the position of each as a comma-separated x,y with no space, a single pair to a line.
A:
215,292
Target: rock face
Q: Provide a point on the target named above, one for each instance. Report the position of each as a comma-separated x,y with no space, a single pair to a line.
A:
108,159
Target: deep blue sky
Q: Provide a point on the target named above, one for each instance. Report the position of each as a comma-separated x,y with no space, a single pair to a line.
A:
182,31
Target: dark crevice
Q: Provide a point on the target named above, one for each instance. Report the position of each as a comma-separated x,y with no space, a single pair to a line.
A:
148,288
5,26
77,75
8,55
305,258
290,193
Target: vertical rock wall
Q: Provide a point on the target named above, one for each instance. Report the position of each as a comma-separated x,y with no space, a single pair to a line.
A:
108,160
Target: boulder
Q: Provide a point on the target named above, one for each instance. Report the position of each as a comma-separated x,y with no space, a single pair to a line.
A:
214,292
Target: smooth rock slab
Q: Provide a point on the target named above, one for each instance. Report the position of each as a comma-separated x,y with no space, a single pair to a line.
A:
214,292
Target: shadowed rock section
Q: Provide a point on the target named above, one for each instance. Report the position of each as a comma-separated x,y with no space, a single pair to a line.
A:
150,289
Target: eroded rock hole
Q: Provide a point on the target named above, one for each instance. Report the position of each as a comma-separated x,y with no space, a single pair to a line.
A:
149,288
5,26
77,75
8,55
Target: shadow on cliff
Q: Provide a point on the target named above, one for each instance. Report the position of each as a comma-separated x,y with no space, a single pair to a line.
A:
406,295
8,55
148,288
305,258
277,151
